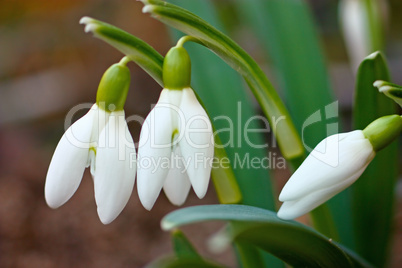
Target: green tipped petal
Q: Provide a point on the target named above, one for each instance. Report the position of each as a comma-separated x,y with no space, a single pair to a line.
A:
113,88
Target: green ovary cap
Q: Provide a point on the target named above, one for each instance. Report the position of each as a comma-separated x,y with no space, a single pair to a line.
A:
113,88
177,69
384,130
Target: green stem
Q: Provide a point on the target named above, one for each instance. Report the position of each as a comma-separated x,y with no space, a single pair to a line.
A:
248,255
124,61
323,222
185,39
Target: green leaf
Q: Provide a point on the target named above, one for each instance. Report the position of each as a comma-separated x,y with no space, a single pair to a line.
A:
294,243
223,177
286,30
182,247
183,20
250,256
151,61
134,48
300,69
373,201
375,18
186,255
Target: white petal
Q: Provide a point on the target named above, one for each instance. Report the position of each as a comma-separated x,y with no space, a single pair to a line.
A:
115,168
354,154
298,207
69,161
154,152
291,210
196,142
173,97
100,120
177,184
315,181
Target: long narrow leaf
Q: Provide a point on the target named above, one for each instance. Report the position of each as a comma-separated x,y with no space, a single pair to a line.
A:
136,49
373,198
294,243
182,247
286,29
250,256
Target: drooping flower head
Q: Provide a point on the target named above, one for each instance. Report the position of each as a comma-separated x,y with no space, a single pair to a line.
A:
176,141
318,179
101,140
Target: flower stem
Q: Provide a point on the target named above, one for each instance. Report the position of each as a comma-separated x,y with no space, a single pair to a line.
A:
124,61
185,39
323,222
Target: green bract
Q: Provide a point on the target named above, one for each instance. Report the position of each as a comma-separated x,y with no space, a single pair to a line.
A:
383,131
177,69
390,90
113,88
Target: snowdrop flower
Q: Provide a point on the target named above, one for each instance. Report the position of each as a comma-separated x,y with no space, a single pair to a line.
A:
176,141
317,180
362,25
101,140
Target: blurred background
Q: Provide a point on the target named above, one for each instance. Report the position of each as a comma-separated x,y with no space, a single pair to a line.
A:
48,65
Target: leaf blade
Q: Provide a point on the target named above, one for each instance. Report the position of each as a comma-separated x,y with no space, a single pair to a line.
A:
372,201
182,247
306,246
136,49
303,77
